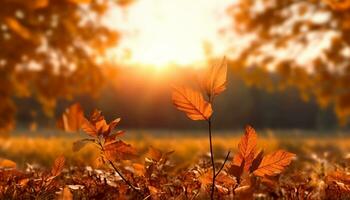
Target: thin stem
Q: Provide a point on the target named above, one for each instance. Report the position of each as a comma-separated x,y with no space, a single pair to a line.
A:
121,176
212,160
118,172
223,164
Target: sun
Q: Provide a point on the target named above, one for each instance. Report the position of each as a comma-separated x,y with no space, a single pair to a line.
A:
162,33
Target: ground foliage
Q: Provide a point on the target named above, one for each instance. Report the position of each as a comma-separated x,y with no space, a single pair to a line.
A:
247,175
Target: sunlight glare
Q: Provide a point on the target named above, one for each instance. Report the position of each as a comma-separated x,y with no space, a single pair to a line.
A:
166,32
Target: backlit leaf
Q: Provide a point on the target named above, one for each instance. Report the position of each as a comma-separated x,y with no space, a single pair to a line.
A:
5,163
246,148
72,118
58,166
119,150
192,103
216,79
274,164
88,128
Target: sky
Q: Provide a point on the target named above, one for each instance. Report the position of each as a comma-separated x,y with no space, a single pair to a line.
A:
162,32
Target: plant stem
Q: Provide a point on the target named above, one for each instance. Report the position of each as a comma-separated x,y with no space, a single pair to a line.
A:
223,164
121,176
118,172
212,160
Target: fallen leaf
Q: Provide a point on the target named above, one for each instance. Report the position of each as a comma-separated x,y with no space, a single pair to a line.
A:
5,163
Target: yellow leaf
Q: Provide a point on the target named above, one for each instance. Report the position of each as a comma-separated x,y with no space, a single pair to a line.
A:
192,103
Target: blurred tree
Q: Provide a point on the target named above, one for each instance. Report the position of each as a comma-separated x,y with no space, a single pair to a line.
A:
51,49
305,42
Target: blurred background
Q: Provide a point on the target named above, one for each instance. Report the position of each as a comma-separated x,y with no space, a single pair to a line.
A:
289,69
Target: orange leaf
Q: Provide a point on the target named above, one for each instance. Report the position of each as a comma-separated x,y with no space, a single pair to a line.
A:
102,127
58,166
337,5
66,194
274,164
18,28
246,148
118,150
80,1
113,124
5,163
216,79
88,128
71,119
192,103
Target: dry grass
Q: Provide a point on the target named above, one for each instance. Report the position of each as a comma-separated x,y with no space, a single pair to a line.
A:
188,147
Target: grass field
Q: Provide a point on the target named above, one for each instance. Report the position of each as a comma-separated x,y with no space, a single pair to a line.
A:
38,149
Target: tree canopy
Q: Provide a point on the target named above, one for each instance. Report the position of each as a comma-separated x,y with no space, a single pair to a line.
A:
51,49
305,42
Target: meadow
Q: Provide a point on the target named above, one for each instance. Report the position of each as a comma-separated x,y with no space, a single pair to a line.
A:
314,173
41,148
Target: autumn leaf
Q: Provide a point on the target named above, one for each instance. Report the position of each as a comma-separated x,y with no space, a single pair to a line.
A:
96,116
58,166
246,148
274,164
257,161
154,154
119,150
113,124
80,1
337,5
192,103
102,127
77,145
66,194
71,119
88,128
236,170
18,28
112,137
216,78
5,163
